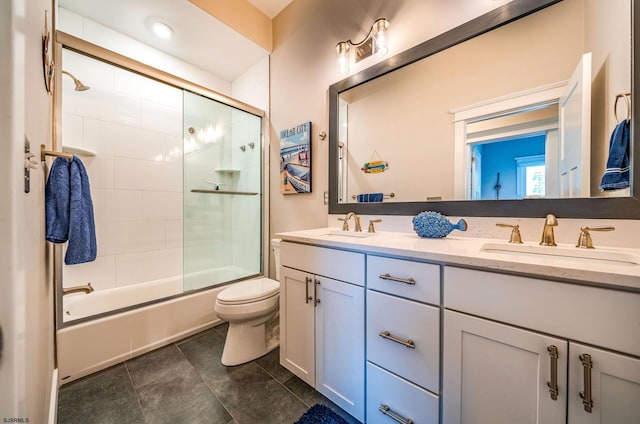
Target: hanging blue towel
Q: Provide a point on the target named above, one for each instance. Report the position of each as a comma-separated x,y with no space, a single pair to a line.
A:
370,198
56,195
69,210
616,176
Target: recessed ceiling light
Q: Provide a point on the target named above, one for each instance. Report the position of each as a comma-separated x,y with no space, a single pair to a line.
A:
161,30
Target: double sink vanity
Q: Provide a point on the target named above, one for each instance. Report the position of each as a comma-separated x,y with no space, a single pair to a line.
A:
394,328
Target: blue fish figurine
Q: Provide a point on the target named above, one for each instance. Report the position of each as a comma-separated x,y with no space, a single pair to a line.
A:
435,225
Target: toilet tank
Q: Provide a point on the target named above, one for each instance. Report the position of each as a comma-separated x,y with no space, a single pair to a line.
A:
275,245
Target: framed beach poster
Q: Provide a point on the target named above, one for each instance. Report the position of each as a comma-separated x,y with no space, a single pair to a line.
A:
295,159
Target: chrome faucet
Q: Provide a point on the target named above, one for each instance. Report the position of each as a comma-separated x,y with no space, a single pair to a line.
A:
86,288
548,238
356,220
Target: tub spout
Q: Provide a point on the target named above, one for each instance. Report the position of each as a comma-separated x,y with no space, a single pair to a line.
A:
86,288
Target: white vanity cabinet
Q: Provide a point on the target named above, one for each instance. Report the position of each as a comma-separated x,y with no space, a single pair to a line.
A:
403,341
322,321
501,365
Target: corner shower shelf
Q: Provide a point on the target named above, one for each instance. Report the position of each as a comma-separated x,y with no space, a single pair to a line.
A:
78,151
228,170
243,193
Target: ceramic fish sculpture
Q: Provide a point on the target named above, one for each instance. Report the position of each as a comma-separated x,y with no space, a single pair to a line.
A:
435,225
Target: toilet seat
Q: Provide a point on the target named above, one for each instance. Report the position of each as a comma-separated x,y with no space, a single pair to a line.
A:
249,291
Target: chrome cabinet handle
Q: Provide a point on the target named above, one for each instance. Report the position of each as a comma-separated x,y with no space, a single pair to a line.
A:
408,343
409,281
553,384
394,415
307,298
316,299
587,365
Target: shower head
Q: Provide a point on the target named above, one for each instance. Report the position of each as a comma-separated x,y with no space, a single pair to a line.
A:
79,85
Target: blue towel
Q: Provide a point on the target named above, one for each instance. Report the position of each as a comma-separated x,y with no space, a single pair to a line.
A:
69,210
616,176
370,197
56,195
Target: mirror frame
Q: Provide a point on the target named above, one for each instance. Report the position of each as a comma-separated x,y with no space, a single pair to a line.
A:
605,207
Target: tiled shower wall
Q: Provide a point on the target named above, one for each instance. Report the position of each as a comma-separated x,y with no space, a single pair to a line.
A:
134,126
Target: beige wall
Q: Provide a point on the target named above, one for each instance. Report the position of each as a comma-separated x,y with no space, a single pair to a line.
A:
243,17
303,66
27,316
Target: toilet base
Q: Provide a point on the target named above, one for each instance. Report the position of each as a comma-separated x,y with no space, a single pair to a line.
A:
247,341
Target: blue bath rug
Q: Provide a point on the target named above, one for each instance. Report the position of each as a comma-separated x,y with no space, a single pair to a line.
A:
320,414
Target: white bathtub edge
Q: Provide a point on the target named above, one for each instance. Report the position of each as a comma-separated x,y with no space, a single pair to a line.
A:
95,345
137,352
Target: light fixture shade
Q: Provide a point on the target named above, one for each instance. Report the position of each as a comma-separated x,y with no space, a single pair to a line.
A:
375,42
344,57
379,35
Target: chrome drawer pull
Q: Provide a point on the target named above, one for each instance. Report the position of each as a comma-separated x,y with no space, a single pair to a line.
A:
553,384
408,343
394,415
587,400
409,281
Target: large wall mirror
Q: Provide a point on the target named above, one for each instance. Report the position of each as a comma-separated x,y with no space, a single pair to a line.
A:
510,114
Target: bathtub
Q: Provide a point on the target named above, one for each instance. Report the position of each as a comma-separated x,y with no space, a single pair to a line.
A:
98,302
89,346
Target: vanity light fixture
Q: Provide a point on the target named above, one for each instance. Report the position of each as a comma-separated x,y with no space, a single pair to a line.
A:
161,30
375,43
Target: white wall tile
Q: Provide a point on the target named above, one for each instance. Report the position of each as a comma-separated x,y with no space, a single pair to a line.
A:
139,143
146,266
100,273
173,234
162,205
72,130
161,118
139,236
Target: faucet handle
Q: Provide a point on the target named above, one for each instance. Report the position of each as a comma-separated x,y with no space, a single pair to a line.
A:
515,232
345,224
585,241
551,220
372,228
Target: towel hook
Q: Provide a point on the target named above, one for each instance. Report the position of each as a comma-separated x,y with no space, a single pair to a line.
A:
626,97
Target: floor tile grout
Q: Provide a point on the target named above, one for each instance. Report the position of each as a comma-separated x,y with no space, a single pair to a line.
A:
126,367
233,419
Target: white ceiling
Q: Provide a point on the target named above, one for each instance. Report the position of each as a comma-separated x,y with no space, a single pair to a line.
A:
198,38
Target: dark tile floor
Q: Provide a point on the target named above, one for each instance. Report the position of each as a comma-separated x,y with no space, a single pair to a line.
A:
185,382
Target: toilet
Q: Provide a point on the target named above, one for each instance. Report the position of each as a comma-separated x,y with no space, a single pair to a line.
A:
251,308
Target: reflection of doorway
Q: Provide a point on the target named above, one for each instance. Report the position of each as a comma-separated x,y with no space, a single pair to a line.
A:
567,161
509,168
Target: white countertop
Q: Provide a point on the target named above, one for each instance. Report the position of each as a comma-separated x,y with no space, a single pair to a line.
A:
466,251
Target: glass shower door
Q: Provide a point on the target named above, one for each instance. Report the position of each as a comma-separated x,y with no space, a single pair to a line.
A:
222,193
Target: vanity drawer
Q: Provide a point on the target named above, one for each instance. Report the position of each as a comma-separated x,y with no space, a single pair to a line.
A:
402,397
426,278
404,320
337,264
574,311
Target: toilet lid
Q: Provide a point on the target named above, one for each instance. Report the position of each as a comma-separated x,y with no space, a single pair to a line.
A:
249,291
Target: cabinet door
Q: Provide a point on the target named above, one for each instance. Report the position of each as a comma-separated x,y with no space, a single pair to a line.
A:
340,344
297,324
614,383
498,374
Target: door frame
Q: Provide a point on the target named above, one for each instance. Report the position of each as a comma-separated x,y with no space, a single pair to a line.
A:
492,108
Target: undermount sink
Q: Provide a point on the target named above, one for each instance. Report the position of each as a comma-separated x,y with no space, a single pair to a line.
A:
564,252
359,234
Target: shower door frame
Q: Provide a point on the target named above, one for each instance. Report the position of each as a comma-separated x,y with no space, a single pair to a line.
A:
64,40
